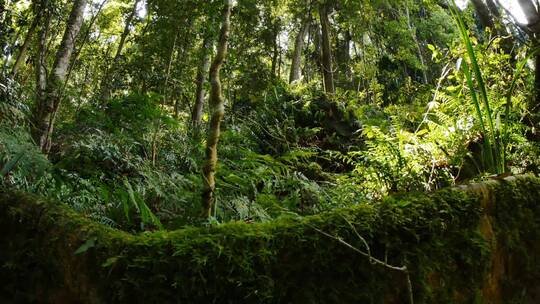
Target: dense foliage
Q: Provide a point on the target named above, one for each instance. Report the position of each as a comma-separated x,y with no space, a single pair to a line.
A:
470,245
328,104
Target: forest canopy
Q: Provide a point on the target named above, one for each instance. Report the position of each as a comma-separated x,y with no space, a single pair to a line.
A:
162,114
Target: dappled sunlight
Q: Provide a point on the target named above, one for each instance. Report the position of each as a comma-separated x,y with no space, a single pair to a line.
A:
269,151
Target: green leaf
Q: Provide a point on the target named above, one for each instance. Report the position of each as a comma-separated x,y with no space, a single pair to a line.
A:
110,261
90,243
11,164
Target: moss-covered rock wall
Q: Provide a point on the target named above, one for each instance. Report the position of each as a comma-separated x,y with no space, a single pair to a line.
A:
473,244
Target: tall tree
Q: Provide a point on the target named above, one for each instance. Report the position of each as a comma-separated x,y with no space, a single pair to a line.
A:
196,115
110,73
217,105
532,14
3,28
493,8
490,17
40,60
343,57
21,56
327,57
276,54
296,61
412,29
484,14
47,105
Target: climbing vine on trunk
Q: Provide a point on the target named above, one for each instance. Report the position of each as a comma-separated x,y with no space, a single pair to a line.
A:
217,108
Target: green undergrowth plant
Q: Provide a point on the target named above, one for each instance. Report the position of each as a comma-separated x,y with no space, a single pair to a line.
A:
21,163
493,122
436,236
261,186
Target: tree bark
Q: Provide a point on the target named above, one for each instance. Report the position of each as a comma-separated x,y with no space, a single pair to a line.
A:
276,51
49,103
327,57
532,15
537,78
298,51
343,58
313,65
412,29
110,74
85,39
165,92
196,115
40,62
218,111
3,28
26,44
483,14
493,8
2,10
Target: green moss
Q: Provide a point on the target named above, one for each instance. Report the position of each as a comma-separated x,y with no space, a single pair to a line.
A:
435,235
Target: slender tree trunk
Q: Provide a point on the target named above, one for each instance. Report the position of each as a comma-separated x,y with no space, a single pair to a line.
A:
418,47
483,14
110,73
196,115
312,38
2,10
218,111
25,46
176,107
3,28
170,62
48,104
165,92
532,14
537,79
343,58
493,8
508,42
85,39
280,62
298,51
327,57
277,51
41,65
489,16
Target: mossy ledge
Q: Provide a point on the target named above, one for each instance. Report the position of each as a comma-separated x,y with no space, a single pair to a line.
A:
470,244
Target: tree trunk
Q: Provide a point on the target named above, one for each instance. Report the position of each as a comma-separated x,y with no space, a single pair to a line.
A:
85,39
298,51
343,58
165,92
110,74
314,61
218,111
26,44
493,9
2,10
3,28
49,103
483,14
532,15
40,63
412,29
537,79
196,115
276,51
327,66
